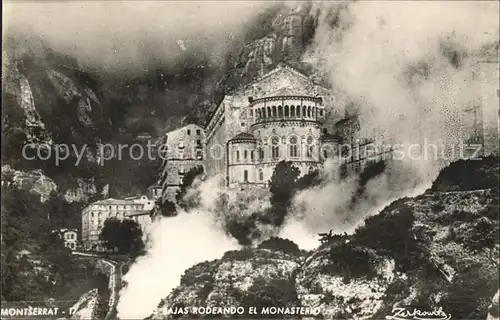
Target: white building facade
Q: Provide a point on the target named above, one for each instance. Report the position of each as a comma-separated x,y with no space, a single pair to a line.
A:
69,237
94,215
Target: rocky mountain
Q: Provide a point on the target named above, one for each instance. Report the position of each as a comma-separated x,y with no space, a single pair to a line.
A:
51,99
438,249
50,108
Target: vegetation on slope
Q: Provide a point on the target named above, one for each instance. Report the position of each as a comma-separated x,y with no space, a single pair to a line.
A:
469,174
435,250
35,265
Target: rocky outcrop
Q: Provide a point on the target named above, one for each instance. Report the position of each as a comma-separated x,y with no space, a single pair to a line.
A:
435,250
493,310
34,181
48,102
69,92
86,307
17,85
226,282
84,189
280,35
333,287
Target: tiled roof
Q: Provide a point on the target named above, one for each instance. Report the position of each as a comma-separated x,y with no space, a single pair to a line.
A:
243,136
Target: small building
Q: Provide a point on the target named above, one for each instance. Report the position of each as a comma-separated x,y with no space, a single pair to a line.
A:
69,237
183,149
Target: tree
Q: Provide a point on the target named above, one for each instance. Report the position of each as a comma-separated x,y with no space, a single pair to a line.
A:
391,231
124,236
187,182
110,233
26,228
311,179
168,208
131,237
280,244
282,187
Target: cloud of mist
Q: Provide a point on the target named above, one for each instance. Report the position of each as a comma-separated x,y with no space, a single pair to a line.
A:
330,206
407,65
175,244
125,36
407,68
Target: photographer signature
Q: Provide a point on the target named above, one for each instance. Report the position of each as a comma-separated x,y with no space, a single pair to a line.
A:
417,314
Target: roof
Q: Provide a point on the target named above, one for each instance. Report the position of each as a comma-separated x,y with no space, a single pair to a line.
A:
64,230
243,136
329,136
286,92
279,67
133,198
113,201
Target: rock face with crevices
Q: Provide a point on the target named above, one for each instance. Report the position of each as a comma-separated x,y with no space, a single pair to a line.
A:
437,250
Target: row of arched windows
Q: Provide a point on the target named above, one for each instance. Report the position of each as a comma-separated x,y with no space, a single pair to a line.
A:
287,111
293,151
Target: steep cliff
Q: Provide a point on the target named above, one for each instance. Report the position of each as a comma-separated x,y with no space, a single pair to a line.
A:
52,116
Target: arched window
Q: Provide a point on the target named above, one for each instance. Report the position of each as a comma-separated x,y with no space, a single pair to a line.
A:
310,147
293,147
252,155
297,113
245,154
275,149
309,112
310,151
287,111
245,175
269,112
263,113
280,111
261,175
274,111
258,113
292,111
237,155
325,154
261,154
304,110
